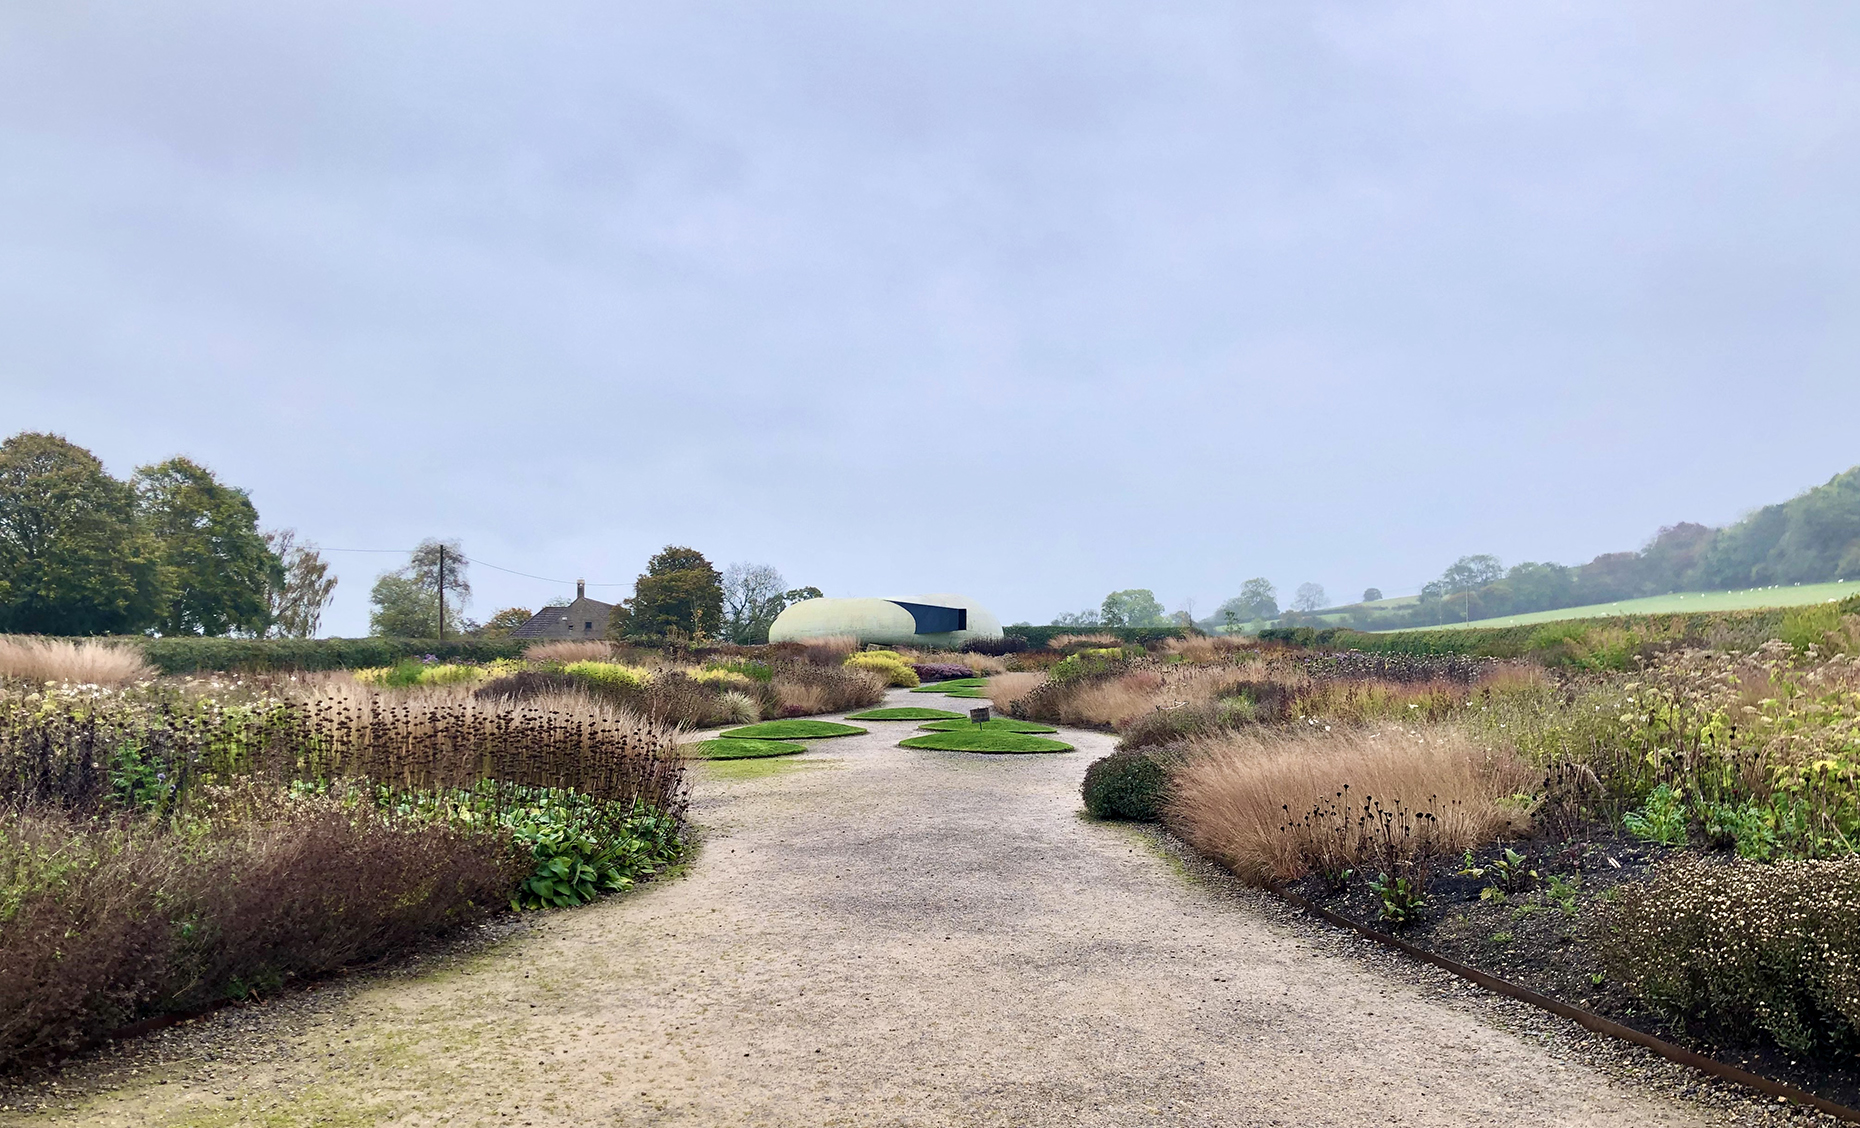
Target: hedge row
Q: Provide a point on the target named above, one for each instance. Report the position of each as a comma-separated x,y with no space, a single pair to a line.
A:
188,655
1559,641
1038,637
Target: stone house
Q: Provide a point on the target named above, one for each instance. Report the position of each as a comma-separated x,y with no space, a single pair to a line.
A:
584,618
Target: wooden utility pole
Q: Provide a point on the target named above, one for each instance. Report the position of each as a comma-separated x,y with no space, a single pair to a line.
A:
442,593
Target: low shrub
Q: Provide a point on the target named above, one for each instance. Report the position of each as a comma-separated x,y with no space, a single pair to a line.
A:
580,849
1775,948
179,654
611,677
886,664
109,920
1196,718
409,674
804,689
940,671
748,667
1126,785
41,660
1092,662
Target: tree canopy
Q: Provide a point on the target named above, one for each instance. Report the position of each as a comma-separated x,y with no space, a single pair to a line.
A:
220,572
680,593
1134,607
75,558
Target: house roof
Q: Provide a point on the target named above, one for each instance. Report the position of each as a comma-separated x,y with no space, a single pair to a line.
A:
584,618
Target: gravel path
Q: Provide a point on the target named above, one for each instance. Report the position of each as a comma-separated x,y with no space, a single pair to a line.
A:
871,935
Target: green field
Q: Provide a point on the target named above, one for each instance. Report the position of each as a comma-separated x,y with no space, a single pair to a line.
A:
1679,603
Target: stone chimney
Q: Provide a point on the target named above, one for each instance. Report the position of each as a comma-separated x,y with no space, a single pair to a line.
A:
581,589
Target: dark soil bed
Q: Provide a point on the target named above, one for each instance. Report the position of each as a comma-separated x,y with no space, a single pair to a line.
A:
1531,938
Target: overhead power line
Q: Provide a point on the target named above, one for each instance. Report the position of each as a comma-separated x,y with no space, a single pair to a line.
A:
487,564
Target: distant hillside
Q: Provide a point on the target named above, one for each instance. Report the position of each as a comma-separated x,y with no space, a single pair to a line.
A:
1681,603
1813,538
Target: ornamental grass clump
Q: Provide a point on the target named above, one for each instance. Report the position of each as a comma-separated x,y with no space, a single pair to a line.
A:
1740,944
1275,805
564,651
803,689
41,660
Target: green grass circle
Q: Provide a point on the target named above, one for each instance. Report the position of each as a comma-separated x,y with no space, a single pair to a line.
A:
977,739
793,730
998,724
952,685
906,713
727,748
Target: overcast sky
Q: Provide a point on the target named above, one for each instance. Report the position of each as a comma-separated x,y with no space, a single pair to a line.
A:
1029,301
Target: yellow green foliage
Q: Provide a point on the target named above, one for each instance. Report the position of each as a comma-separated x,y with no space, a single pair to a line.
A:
609,675
724,679
886,664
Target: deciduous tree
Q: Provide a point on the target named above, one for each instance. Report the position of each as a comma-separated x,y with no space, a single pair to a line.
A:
74,558
1134,607
301,590
219,568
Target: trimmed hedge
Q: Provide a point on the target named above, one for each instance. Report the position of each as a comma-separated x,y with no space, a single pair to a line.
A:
1605,642
188,655
1126,785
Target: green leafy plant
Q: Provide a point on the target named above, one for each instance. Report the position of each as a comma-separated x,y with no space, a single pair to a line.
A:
1403,899
1562,891
1747,827
581,851
1661,819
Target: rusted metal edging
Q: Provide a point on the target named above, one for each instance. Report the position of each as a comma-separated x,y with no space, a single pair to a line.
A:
1579,1016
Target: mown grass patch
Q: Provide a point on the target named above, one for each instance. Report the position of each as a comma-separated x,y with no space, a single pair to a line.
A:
796,729
909,713
957,687
996,724
978,738
739,748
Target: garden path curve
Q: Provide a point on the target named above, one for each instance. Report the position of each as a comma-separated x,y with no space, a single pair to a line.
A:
876,936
